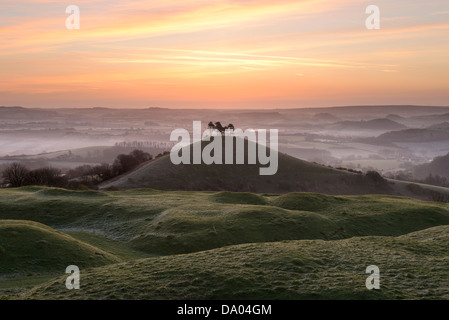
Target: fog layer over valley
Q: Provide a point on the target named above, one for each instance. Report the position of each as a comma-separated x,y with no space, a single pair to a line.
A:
388,139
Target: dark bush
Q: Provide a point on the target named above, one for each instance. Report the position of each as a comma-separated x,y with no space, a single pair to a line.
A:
49,177
376,177
127,162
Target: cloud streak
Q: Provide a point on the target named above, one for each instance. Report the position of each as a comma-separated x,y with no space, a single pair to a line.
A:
202,49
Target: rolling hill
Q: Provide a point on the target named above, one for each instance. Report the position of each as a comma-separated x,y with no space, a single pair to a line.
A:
293,175
173,222
441,126
396,118
383,124
413,136
434,118
28,247
439,166
220,245
412,266
326,117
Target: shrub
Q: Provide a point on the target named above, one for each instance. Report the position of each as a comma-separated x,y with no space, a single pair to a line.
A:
49,177
376,177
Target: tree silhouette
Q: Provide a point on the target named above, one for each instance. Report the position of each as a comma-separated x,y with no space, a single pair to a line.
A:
15,175
50,177
219,127
127,162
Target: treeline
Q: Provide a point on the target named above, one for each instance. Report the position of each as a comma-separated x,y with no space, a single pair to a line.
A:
83,177
17,175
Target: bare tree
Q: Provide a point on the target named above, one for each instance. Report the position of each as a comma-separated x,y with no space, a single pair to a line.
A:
15,175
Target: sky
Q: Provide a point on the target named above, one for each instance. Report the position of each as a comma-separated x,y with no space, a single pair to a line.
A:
223,54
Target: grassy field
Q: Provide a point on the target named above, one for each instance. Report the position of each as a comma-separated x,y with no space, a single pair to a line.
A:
212,245
413,266
29,248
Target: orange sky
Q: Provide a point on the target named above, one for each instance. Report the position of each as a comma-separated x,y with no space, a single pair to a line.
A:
252,53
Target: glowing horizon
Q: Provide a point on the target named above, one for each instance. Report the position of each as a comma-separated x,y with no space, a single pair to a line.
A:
253,53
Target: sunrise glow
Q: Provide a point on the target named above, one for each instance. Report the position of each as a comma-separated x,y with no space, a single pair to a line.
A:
197,53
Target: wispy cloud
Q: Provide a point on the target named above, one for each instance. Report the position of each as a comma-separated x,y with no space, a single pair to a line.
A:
249,68
202,49
439,12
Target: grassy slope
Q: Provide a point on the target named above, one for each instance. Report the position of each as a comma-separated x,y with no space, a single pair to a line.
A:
157,222
128,225
28,247
412,266
293,175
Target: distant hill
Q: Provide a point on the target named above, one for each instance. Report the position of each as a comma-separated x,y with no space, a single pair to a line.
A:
441,126
369,111
414,136
375,125
21,113
325,116
395,117
434,117
439,166
254,114
345,112
94,154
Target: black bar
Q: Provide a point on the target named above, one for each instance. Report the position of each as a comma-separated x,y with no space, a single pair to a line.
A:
172,309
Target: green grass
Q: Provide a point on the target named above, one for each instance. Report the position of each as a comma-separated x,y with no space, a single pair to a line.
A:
308,201
116,248
163,222
14,286
30,248
220,245
413,266
239,198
